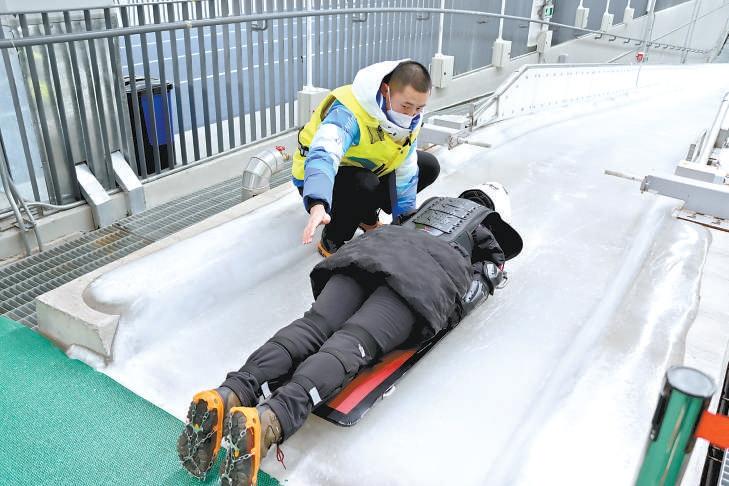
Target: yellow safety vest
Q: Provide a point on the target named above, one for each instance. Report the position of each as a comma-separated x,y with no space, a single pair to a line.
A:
376,151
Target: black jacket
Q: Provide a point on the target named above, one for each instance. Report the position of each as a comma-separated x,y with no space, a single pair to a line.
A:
429,274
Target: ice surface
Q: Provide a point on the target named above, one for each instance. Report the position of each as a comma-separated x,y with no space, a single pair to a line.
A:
553,381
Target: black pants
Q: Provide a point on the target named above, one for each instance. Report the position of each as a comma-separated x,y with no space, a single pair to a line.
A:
359,193
347,327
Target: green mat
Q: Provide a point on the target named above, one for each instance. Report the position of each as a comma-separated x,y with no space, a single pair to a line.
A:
62,423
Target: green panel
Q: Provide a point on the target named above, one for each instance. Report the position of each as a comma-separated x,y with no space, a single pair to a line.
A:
62,423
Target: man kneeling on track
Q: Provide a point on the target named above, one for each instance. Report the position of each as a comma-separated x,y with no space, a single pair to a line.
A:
401,282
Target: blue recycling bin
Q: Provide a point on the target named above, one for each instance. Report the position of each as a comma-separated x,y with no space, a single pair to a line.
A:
163,121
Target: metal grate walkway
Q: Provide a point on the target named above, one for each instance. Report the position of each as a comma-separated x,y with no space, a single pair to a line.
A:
21,282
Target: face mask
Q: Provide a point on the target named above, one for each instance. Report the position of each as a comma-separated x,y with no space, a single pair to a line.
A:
400,119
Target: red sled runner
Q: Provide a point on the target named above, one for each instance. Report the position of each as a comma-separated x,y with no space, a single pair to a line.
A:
354,401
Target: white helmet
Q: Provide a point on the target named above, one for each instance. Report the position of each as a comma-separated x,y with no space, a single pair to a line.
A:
492,195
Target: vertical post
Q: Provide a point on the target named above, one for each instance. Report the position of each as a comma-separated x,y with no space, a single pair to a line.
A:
309,46
178,86
239,69
270,70
187,15
252,105
47,156
690,30
226,11
685,395
501,20
97,110
151,118
61,109
440,27
291,87
263,102
135,114
217,103
648,29
202,55
165,130
113,44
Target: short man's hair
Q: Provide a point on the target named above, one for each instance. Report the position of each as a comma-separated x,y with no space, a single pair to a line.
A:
409,73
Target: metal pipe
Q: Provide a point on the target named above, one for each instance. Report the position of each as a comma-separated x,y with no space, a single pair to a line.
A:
146,29
97,110
440,28
149,96
281,76
8,193
239,74
309,46
81,99
31,219
166,128
178,87
225,11
204,76
263,106
260,168
190,85
291,87
501,19
251,76
318,46
216,79
623,175
135,115
690,30
124,135
270,72
53,64
47,157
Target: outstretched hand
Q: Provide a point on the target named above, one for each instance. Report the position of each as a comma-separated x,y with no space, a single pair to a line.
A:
317,216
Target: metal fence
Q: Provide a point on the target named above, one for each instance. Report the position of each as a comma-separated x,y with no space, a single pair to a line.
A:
81,84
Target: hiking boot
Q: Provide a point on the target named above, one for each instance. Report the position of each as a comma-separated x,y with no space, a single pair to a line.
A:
199,442
327,247
249,433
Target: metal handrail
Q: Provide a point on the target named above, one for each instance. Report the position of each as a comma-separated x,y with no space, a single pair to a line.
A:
190,24
161,3
480,108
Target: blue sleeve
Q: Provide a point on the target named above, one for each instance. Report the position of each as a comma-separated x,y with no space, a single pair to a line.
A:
406,185
338,131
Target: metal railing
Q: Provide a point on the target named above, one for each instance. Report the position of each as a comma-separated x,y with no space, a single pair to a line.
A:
235,67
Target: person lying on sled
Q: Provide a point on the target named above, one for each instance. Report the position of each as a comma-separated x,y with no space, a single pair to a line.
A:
398,282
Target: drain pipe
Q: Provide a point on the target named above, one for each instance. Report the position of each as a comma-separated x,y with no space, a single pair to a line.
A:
260,168
13,206
31,220
15,198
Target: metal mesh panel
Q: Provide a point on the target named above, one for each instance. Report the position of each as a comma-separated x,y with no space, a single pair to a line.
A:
164,220
21,282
